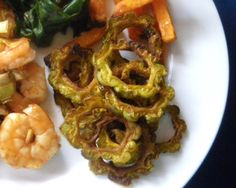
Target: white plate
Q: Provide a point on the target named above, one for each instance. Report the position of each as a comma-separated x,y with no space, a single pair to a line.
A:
198,64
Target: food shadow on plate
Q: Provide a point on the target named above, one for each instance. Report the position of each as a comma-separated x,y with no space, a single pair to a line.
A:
164,164
53,169
162,169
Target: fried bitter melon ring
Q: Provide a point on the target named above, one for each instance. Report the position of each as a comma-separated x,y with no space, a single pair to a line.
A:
149,148
102,60
173,144
143,165
124,72
137,67
123,69
133,113
101,134
59,80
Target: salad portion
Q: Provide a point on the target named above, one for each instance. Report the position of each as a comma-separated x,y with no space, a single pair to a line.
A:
39,20
27,135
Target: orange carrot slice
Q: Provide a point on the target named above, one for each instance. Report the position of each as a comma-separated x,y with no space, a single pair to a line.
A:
129,5
164,21
117,1
97,10
89,38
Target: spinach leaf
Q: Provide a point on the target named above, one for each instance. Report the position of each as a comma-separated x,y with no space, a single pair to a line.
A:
39,20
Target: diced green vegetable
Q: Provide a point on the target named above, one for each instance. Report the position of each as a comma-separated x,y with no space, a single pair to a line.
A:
7,87
4,78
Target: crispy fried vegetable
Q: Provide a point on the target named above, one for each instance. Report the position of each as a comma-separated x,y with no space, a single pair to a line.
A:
76,86
173,144
129,71
64,103
70,127
135,72
103,59
124,174
108,147
134,113
112,105
99,133
118,64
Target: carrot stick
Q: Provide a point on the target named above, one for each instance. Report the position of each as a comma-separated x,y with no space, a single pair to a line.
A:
164,20
117,1
89,38
129,5
97,10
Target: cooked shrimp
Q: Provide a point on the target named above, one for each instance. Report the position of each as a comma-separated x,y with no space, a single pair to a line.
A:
28,139
17,102
33,85
15,53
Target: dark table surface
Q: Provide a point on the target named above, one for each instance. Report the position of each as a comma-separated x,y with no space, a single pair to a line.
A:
219,168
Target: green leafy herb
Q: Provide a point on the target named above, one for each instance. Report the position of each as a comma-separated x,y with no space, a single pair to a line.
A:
39,20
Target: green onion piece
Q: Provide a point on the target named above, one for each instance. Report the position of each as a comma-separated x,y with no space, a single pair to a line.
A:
4,27
7,87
